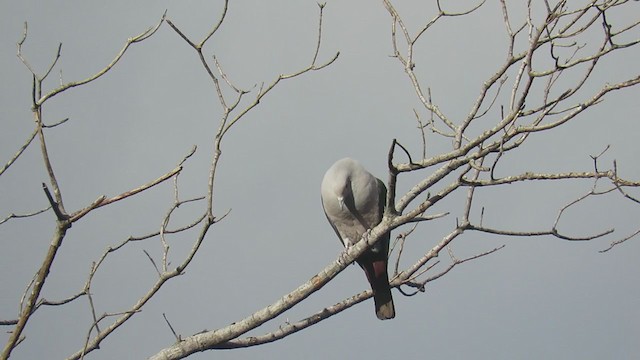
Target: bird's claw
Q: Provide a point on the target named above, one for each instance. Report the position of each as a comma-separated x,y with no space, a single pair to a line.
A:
342,259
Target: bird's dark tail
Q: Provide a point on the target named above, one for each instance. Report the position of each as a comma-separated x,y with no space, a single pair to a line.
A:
377,275
384,303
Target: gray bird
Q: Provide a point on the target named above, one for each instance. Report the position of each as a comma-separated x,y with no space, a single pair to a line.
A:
354,201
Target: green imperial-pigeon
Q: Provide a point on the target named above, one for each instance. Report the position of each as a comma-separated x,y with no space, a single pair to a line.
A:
353,201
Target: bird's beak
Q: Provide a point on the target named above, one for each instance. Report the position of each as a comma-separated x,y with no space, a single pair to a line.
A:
341,202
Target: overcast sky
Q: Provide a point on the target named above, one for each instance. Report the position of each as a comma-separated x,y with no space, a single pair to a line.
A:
538,298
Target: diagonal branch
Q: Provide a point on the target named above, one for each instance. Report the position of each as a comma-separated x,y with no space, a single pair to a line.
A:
20,151
136,39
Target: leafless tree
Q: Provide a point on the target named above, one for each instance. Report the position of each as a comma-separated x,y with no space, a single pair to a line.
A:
527,94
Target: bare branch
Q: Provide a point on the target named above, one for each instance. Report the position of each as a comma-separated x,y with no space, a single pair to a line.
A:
178,338
136,39
408,64
529,176
57,204
552,232
442,13
198,48
218,24
618,242
210,339
54,205
40,278
103,201
20,151
291,328
20,216
153,262
226,79
55,124
456,262
315,55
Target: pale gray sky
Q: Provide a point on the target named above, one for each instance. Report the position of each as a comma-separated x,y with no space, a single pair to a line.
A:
539,298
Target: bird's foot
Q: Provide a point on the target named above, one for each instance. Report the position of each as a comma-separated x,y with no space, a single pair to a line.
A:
366,235
342,259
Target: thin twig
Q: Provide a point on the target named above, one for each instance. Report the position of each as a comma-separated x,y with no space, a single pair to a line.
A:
178,337
20,151
21,216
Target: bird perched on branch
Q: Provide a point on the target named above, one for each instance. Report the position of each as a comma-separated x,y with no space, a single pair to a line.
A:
354,201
